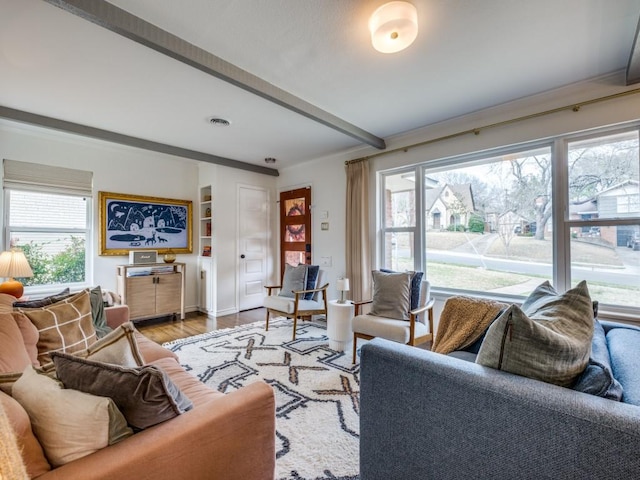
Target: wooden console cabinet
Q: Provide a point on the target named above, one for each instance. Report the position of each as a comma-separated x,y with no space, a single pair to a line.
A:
158,293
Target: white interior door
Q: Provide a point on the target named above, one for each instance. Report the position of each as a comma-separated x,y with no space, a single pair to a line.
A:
253,235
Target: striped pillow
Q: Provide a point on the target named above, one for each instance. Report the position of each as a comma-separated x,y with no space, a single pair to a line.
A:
65,326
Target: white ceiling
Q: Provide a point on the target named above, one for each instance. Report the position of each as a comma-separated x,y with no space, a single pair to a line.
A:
469,55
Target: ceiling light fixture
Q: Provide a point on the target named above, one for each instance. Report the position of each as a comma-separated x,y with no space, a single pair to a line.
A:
393,26
269,160
219,122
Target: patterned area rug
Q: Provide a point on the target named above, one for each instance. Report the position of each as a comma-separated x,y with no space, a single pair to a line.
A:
317,391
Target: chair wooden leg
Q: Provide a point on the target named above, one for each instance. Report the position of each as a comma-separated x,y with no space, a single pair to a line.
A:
295,324
355,348
267,326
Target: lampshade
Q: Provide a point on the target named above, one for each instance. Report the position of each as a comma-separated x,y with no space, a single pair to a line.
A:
342,285
393,26
14,264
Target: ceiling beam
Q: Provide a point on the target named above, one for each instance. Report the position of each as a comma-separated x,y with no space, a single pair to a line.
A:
135,28
633,67
109,136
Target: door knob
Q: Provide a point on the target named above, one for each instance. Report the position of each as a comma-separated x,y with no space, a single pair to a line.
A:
242,256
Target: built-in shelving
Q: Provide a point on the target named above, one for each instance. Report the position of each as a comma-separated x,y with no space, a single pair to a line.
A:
206,253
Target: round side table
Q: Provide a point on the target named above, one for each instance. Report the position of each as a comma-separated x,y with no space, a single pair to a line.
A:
339,317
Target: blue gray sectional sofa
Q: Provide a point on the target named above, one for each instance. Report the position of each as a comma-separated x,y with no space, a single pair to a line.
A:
426,415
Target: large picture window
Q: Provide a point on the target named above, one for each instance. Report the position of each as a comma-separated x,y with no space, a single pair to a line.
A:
566,210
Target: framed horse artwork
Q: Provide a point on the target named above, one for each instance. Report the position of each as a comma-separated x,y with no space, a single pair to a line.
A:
134,222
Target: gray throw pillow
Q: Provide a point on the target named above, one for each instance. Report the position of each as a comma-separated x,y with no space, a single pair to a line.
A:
145,395
295,279
548,339
391,294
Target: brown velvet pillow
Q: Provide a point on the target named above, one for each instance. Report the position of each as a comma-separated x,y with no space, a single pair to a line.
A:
65,326
145,395
45,301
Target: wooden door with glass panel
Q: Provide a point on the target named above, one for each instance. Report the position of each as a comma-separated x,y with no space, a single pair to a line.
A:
295,227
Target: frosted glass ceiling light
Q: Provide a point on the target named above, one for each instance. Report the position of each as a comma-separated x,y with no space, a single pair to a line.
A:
393,26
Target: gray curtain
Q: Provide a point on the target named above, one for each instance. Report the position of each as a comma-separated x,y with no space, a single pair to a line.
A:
358,248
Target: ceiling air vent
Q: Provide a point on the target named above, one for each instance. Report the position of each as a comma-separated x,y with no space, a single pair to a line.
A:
219,122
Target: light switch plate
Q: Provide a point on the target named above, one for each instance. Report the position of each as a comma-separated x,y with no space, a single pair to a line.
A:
325,261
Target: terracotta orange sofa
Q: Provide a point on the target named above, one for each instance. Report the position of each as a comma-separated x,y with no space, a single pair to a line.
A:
224,436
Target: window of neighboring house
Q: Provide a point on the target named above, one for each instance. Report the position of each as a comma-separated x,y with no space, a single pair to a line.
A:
494,224
50,221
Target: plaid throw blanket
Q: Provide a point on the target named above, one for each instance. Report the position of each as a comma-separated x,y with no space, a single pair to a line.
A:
463,321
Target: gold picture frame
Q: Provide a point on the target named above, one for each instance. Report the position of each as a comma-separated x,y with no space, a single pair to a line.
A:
136,222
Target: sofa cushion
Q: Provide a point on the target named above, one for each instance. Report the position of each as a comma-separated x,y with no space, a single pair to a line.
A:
6,302
145,395
65,326
11,465
30,336
548,339
294,279
13,355
624,350
389,328
285,304
391,294
32,453
597,378
69,424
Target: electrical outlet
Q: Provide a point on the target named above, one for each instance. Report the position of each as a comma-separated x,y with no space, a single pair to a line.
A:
325,261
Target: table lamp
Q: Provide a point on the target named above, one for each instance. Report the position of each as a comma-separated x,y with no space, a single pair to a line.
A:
342,285
14,264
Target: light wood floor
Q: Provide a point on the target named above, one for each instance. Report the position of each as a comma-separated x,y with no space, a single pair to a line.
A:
164,329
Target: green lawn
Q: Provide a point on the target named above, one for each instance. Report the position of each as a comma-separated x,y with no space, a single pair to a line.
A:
472,278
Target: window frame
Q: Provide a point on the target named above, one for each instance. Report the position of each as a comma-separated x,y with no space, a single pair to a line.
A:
560,220
40,290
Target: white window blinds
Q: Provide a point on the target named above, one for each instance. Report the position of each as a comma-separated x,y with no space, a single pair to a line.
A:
45,178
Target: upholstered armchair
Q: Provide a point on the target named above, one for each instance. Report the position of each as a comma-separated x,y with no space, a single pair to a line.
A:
400,303
298,296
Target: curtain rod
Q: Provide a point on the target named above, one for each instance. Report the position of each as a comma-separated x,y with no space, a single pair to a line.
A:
575,107
357,160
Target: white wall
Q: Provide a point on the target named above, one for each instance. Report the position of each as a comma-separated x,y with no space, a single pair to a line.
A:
115,168
225,182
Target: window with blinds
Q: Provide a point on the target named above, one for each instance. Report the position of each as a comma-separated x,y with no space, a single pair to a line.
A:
48,216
